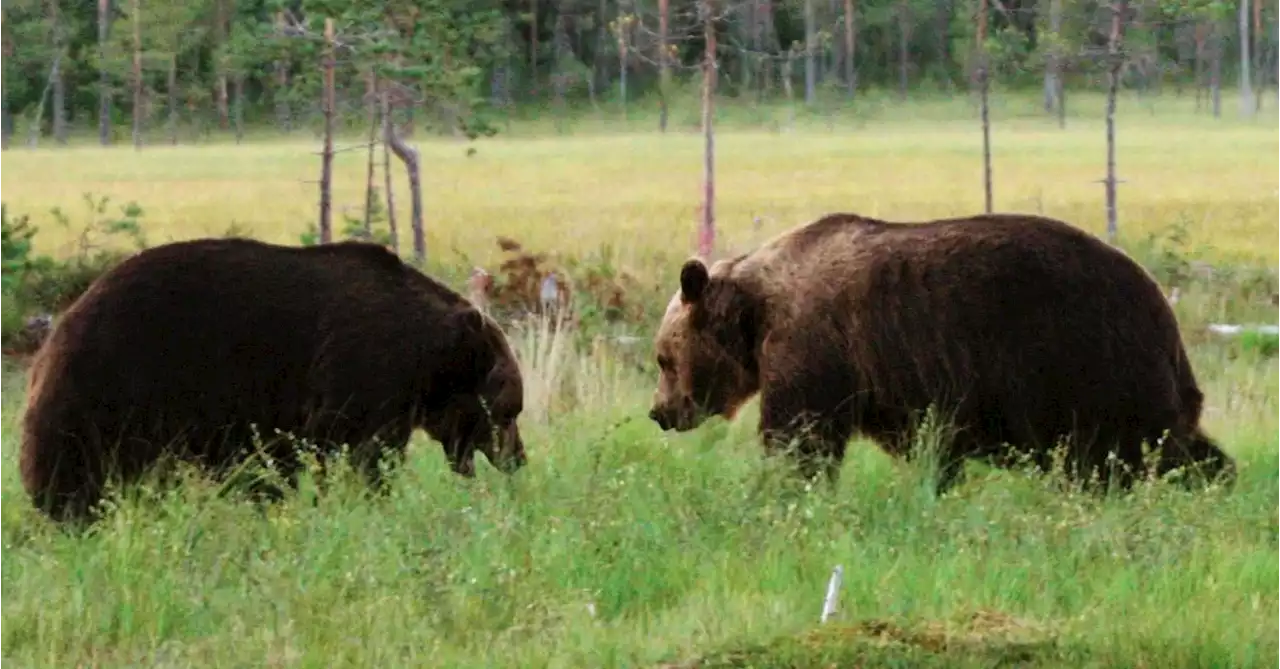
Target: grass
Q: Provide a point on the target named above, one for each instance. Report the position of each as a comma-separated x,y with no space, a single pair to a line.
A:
621,546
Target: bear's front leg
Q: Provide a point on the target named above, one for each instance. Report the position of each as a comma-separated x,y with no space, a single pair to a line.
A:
382,454
808,416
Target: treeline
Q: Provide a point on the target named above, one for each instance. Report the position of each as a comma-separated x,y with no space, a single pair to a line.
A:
152,64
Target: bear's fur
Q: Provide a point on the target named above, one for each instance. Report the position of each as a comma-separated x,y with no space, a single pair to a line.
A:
1019,329
186,348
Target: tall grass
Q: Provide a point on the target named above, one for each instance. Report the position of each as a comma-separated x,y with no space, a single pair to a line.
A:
619,545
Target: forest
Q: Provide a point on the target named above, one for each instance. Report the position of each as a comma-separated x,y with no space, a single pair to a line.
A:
154,69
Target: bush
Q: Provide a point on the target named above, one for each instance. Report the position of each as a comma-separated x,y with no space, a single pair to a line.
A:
37,287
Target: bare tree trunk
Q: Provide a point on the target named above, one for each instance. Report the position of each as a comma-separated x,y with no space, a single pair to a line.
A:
220,29
33,136
409,156
59,82
533,45
283,117
622,64
172,85
787,86
371,112
707,231
1215,68
849,44
5,118
326,159
560,78
1053,67
392,227
1200,38
239,106
1247,105
904,49
1275,57
1116,57
1062,96
984,88
1257,55
810,36
137,75
104,79
664,70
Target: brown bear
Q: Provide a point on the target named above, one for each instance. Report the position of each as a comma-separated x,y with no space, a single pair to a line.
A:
1021,330
192,349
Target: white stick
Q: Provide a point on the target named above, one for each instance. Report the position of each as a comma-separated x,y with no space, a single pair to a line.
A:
833,591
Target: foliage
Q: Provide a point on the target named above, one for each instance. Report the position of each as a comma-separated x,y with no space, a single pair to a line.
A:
38,287
588,294
459,59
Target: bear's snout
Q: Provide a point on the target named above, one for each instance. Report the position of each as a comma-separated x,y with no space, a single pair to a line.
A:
660,418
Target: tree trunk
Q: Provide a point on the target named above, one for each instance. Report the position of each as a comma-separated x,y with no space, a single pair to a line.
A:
1053,65
172,90
1275,57
664,70
1116,63
409,156
850,41
533,46
371,114
137,75
1201,37
33,136
1247,105
707,231
904,49
238,92
5,118
220,30
104,79
59,81
283,118
1215,68
984,106
622,64
1257,55
392,228
810,71
326,157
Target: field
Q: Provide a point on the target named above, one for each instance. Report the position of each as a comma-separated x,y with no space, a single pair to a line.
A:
621,546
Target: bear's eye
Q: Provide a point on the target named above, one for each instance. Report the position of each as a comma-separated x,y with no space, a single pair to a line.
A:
664,362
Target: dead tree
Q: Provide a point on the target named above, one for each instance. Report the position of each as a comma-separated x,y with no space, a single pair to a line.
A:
1115,64
370,192
104,78
326,162
984,90
387,131
5,49
137,75
707,231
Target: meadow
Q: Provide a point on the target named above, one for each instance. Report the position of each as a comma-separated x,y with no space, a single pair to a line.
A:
621,546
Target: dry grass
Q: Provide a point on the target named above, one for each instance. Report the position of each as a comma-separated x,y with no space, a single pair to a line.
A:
622,546
641,192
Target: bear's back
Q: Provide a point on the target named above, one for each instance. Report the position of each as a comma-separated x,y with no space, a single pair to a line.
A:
225,328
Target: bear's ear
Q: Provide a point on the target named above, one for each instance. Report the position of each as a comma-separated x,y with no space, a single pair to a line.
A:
465,326
693,280
465,322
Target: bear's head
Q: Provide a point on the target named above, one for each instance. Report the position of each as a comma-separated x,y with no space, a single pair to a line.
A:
706,348
477,406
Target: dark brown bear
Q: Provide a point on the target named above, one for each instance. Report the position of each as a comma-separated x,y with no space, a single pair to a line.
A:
184,349
1020,329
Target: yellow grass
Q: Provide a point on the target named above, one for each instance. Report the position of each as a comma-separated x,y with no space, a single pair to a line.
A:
642,192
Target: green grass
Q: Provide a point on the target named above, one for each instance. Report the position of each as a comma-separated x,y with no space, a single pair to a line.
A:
619,546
